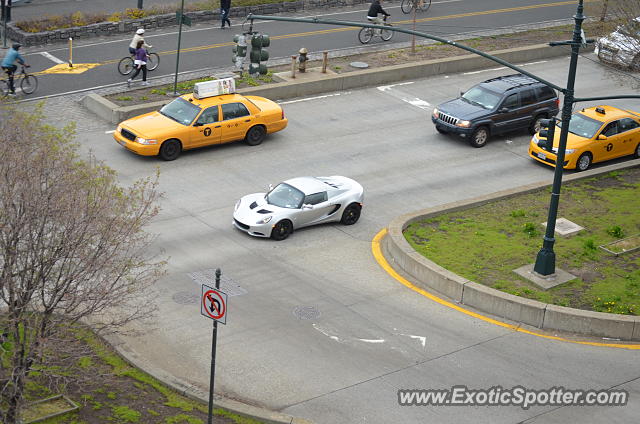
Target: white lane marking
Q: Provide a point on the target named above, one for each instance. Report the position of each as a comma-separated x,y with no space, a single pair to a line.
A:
332,337
314,98
504,67
388,87
413,101
372,340
52,58
423,339
110,132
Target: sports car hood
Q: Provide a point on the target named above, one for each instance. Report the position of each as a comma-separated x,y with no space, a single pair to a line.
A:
462,109
151,125
253,207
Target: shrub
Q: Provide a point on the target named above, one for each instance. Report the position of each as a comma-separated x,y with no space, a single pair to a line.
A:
530,229
589,245
518,213
115,17
615,231
131,13
78,19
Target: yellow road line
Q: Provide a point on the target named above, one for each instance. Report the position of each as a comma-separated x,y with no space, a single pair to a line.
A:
379,257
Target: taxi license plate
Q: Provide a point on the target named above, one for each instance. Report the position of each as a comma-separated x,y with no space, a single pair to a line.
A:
124,143
542,156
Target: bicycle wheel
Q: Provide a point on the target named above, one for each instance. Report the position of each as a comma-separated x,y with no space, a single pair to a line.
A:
125,66
4,88
28,84
386,34
365,35
426,4
407,6
153,61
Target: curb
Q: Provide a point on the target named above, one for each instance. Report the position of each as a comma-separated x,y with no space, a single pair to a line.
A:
429,275
352,80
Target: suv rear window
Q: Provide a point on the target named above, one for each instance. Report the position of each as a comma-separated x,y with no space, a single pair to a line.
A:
545,93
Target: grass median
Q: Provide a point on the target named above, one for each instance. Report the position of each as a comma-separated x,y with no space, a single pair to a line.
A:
486,244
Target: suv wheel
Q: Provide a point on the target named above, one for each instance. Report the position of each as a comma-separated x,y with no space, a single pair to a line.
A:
479,137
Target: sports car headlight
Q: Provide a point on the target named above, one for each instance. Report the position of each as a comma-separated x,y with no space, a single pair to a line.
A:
436,113
146,140
463,124
264,220
237,205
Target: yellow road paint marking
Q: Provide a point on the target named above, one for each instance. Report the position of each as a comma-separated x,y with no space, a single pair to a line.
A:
64,68
379,257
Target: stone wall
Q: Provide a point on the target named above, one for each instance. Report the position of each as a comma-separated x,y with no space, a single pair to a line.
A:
160,21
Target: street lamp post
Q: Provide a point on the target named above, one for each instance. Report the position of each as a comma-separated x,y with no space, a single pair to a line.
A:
546,259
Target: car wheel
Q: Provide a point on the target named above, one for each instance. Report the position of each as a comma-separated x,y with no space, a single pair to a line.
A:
584,162
479,137
351,214
281,230
535,125
170,150
636,154
255,135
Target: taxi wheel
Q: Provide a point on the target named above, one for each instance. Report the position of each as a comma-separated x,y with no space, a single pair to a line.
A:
282,230
636,154
255,135
584,162
479,137
170,149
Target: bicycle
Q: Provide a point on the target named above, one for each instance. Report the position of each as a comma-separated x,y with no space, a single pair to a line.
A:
28,83
126,64
421,5
366,34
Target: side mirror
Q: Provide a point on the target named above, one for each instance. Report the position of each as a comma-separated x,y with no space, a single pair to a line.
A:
307,206
601,137
270,187
461,93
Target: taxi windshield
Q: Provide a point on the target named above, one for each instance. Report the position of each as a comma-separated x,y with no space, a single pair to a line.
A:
285,196
482,97
181,111
582,125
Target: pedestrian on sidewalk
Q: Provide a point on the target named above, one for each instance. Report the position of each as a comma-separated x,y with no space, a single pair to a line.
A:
225,6
140,62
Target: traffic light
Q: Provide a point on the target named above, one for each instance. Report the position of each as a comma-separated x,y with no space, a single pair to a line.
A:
239,50
546,133
258,55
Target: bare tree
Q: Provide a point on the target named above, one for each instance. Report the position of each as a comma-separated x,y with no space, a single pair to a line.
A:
72,246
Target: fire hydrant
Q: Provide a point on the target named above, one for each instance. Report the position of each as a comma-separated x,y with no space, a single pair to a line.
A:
302,59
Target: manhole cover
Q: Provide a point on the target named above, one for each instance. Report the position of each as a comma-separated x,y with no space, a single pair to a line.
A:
227,285
306,312
361,65
186,298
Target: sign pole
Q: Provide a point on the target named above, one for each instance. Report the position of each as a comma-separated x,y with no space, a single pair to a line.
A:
175,81
214,338
5,11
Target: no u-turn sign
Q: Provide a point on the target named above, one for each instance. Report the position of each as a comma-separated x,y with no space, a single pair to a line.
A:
213,304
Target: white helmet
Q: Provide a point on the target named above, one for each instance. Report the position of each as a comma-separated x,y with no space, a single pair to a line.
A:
140,31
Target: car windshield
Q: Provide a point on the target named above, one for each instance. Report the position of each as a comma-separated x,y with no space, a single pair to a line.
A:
181,111
285,196
631,29
583,125
480,96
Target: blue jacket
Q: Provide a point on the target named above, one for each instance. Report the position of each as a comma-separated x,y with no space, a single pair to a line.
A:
11,57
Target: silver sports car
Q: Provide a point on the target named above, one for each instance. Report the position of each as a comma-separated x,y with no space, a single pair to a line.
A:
299,202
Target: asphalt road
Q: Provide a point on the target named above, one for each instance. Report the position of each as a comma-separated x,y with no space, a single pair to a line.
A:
206,46
316,328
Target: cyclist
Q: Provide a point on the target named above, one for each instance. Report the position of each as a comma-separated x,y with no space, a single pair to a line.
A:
138,36
9,66
374,10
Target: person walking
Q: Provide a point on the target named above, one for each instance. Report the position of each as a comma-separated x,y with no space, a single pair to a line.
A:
225,6
140,63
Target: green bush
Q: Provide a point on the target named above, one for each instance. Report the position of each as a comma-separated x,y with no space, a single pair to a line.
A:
615,231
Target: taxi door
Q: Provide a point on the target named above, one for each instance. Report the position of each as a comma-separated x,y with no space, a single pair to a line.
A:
630,136
236,121
612,146
207,129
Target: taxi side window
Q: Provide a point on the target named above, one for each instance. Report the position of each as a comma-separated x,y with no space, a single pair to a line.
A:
209,116
626,124
611,129
234,110
314,199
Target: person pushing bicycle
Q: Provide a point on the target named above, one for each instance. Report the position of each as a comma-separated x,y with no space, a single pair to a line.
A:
374,10
138,36
9,66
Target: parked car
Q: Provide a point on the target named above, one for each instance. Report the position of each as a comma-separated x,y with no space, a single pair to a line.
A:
192,121
299,202
596,134
496,106
621,47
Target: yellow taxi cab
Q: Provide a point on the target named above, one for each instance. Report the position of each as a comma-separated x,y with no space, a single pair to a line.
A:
212,114
596,134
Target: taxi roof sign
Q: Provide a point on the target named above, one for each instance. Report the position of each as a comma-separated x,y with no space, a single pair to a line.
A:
214,88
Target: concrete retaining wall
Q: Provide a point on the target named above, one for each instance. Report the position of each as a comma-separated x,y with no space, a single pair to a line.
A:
429,275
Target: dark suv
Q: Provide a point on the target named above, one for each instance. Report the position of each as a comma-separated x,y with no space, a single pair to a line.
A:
497,106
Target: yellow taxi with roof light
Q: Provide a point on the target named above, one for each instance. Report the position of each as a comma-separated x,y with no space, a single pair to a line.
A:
596,134
213,114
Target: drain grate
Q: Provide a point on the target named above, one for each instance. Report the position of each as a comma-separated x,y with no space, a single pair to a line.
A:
306,312
227,285
186,298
